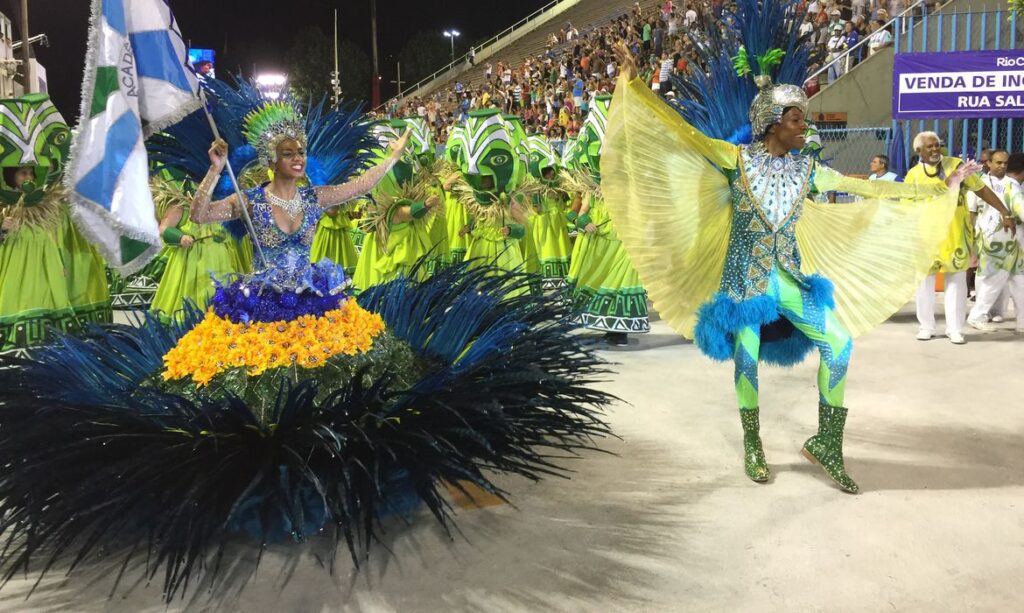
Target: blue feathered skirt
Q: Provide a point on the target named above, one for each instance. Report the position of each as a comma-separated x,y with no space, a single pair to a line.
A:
782,344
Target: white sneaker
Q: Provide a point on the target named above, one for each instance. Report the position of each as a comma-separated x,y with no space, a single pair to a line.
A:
997,319
984,326
957,339
925,335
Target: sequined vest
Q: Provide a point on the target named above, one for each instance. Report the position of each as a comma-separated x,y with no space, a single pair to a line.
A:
767,198
273,240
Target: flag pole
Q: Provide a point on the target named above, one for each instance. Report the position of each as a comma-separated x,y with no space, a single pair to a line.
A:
243,203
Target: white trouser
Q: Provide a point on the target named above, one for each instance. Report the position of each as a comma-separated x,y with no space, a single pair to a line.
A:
956,303
1002,304
991,288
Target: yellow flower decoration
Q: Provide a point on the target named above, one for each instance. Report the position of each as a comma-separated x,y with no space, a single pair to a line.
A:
216,344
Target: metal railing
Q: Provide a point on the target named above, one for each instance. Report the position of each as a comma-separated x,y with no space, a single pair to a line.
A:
844,58
464,59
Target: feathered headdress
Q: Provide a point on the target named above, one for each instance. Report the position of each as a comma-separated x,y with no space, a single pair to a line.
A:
762,41
266,126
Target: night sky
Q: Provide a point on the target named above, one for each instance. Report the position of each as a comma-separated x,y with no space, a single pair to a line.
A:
257,33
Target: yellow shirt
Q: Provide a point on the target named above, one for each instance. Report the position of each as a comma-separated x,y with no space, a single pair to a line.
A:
955,254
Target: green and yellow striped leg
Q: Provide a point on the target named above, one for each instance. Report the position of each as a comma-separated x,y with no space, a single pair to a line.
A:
819,324
748,346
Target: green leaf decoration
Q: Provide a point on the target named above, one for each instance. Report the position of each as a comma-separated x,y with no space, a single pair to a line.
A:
771,59
741,62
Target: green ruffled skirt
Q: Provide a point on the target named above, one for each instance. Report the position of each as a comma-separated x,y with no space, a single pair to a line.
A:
33,289
407,243
550,238
606,289
333,240
436,226
136,291
489,246
86,275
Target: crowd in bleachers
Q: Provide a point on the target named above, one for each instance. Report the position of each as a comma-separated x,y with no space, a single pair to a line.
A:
551,91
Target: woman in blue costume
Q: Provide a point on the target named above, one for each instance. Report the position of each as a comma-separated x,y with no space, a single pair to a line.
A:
733,253
284,215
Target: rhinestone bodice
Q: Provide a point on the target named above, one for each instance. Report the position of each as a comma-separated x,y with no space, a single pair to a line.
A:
767,198
274,240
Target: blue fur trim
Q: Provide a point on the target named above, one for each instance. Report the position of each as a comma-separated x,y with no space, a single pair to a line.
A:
720,319
789,351
821,290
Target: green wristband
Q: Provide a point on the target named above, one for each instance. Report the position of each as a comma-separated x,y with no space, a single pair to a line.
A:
584,220
516,231
571,216
172,236
418,209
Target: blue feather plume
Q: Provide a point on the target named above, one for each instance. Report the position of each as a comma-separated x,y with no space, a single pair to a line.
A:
717,101
763,25
338,142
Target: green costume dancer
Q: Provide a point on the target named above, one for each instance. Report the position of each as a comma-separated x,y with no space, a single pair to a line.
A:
606,287
547,227
456,217
436,224
490,189
571,162
196,252
520,143
33,290
395,220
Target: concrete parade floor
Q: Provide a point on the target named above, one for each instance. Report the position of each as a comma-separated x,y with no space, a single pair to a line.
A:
667,521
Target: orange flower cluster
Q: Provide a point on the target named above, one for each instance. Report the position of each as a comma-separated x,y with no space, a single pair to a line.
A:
216,344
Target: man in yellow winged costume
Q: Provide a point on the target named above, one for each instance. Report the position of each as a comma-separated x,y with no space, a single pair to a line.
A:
735,255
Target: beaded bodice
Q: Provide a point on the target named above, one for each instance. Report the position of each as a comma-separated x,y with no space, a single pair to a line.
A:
767,198
274,240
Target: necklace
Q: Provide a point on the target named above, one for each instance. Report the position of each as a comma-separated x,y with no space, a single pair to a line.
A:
939,170
292,207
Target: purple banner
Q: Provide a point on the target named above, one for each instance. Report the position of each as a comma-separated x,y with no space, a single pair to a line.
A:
957,85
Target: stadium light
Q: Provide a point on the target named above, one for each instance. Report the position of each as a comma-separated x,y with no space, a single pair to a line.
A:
271,85
452,35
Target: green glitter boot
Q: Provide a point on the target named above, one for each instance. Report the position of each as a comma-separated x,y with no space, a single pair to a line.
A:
826,447
754,463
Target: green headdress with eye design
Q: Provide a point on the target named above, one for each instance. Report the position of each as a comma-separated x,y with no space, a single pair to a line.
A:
33,134
542,158
490,152
385,132
421,143
456,144
591,142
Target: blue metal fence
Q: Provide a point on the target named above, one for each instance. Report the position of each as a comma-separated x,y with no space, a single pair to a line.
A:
974,31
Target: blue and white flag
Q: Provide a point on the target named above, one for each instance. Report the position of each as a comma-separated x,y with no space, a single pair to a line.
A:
136,83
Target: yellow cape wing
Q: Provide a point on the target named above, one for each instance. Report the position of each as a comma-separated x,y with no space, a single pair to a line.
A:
668,204
877,251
